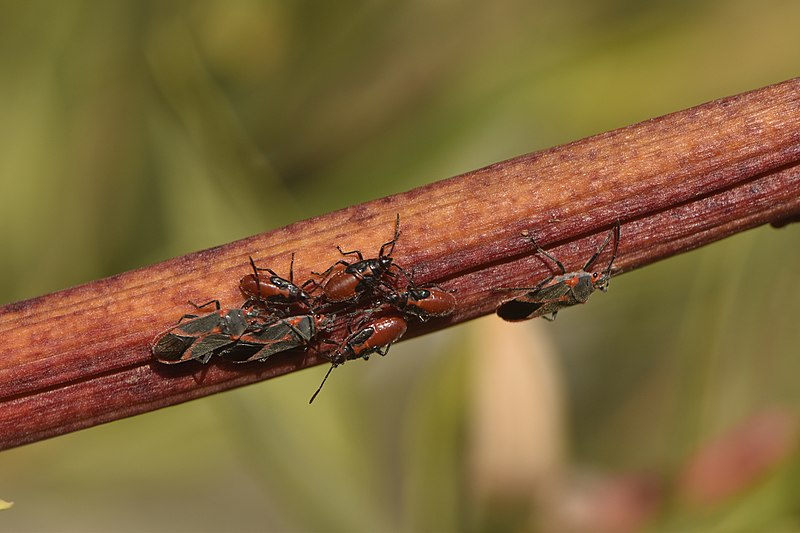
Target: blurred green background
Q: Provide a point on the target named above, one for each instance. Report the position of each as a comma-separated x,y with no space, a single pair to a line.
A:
136,131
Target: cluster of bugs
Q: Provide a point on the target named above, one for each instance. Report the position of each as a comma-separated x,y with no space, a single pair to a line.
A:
375,296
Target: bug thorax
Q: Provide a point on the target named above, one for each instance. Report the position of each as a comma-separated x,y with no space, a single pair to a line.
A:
419,294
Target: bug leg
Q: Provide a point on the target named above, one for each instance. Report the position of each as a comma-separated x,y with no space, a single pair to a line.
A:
356,252
551,317
256,269
385,350
542,251
184,317
330,268
215,302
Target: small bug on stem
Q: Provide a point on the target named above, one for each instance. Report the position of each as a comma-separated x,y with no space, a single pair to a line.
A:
557,292
273,291
374,336
421,302
199,338
361,277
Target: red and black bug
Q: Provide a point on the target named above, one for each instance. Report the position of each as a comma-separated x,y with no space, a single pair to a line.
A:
423,302
200,337
352,280
557,292
264,339
273,291
376,336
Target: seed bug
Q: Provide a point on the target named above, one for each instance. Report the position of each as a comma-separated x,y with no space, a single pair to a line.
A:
374,337
201,336
263,340
557,292
355,279
421,302
273,290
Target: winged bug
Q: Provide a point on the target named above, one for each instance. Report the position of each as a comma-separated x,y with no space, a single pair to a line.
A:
374,336
197,338
347,281
564,290
263,340
273,291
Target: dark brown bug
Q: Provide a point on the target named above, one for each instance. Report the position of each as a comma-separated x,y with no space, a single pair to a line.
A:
376,336
269,292
557,292
200,337
264,339
352,280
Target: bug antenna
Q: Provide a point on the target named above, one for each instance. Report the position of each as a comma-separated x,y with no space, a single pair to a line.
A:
607,273
253,264
321,384
616,245
394,239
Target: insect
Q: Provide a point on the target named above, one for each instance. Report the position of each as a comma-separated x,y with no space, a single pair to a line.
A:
557,292
355,279
423,302
273,290
374,337
262,340
198,338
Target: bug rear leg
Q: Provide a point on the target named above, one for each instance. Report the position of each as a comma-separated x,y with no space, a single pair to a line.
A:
330,268
551,317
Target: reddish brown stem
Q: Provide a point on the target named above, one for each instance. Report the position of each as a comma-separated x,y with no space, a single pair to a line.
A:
80,357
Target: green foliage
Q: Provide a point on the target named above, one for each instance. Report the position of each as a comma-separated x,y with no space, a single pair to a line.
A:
136,131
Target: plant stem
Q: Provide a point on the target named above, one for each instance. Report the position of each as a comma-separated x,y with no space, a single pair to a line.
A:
80,357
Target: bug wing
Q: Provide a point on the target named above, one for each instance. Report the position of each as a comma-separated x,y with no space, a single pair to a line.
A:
552,292
275,338
518,310
206,346
200,325
170,347
542,301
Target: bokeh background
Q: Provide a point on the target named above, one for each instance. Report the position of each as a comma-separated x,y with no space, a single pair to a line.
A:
135,131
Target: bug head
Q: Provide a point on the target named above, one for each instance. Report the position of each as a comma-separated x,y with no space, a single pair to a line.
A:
600,280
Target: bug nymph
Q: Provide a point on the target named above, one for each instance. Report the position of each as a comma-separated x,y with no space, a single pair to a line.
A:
272,291
557,292
376,336
423,302
353,280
